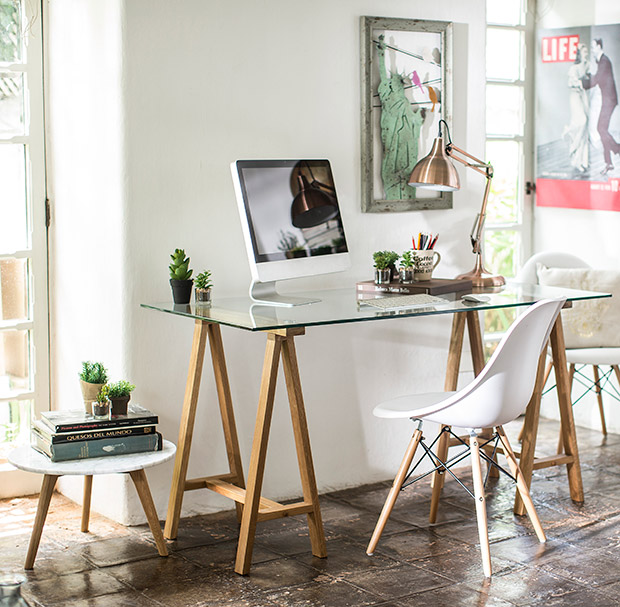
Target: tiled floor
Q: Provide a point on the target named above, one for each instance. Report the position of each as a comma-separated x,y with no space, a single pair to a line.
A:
415,564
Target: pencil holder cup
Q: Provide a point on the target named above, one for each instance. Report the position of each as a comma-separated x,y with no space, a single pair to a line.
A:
424,264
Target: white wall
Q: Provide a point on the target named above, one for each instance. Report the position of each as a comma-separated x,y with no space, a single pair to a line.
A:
196,85
559,229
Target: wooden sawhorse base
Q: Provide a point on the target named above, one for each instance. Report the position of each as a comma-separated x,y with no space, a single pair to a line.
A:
251,507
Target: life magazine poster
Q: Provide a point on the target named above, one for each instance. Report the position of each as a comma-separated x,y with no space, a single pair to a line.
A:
577,118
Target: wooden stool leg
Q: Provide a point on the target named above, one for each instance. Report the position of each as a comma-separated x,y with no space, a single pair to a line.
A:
569,436
226,409
47,488
258,455
144,493
395,490
302,442
186,429
521,485
599,397
88,488
481,509
530,433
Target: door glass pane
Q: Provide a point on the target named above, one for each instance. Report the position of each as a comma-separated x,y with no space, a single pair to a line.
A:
10,31
15,416
13,289
14,362
11,104
501,251
504,54
505,110
505,156
13,218
506,12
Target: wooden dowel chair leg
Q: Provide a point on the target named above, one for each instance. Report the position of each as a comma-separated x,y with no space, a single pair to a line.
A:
396,486
521,485
439,476
88,488
599,397
481,509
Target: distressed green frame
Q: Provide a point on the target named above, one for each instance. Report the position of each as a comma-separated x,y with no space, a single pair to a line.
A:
370,162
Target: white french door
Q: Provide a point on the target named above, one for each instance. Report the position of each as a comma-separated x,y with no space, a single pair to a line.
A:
24,335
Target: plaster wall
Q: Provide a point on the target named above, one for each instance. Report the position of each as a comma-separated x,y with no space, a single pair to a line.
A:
189,87
559,229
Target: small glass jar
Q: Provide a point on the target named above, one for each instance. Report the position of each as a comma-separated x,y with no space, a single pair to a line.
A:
101,410
11,591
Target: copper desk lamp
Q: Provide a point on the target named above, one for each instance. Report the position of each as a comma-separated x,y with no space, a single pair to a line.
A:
436,172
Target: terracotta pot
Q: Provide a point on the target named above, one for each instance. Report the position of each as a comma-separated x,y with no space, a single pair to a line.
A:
90,392
119,405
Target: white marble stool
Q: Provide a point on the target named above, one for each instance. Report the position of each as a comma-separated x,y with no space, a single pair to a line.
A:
26,458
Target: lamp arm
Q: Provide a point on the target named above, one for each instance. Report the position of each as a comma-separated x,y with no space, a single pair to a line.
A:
485,169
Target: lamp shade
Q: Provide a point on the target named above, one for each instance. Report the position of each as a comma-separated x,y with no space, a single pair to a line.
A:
311,207
435,171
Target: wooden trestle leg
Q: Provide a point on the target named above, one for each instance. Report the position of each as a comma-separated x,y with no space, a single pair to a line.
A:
279,342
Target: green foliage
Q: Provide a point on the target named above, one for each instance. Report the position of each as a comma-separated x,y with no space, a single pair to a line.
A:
93,373
288,242
203,280
406,259
120,388
384,259
179,268
104,394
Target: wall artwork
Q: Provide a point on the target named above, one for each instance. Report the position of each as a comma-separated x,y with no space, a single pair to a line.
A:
406,90
577,123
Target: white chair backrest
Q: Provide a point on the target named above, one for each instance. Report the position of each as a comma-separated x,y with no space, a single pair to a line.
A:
503,389
551,259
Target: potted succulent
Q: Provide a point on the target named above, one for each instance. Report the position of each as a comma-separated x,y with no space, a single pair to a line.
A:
407,269
203,286
119,394
101,405
92,378
180,277
384,263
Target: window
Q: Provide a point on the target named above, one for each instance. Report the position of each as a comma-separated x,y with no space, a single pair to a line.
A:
24,375
509,147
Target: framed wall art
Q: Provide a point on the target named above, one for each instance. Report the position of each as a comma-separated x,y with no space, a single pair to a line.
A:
406,90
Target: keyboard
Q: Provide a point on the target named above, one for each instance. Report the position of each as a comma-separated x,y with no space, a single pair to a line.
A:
401,302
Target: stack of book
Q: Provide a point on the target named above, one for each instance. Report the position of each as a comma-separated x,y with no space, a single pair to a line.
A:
67,435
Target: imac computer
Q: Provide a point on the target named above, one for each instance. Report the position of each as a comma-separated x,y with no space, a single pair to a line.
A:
291,223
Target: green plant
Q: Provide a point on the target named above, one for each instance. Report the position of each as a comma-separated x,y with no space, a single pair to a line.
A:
104,394
179,268
406,259
384,259
120,388
203,280
93,373
288,242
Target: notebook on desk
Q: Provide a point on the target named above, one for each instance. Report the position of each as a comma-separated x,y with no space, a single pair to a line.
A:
435,286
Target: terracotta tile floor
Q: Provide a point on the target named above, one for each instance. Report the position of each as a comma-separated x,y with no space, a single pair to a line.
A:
415,563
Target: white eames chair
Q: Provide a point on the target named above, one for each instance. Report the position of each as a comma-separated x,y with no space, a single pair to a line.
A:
498,395
579,358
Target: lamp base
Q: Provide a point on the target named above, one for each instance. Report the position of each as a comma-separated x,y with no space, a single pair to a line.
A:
481,278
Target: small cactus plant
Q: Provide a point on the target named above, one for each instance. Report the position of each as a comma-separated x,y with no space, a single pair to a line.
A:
203,280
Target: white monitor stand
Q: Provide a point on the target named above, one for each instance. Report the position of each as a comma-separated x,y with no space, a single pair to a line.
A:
266,293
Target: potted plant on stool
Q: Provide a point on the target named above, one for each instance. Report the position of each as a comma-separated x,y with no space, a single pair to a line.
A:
119,394
101,405
203,287
180,277
92,378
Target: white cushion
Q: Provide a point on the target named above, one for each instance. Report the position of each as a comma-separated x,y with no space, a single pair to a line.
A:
588,324
593,356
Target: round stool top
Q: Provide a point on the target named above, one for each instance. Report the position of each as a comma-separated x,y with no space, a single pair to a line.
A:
27,458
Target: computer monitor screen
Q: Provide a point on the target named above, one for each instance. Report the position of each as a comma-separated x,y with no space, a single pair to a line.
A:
291,220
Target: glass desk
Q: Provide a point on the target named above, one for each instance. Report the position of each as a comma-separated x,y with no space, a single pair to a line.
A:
282,325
